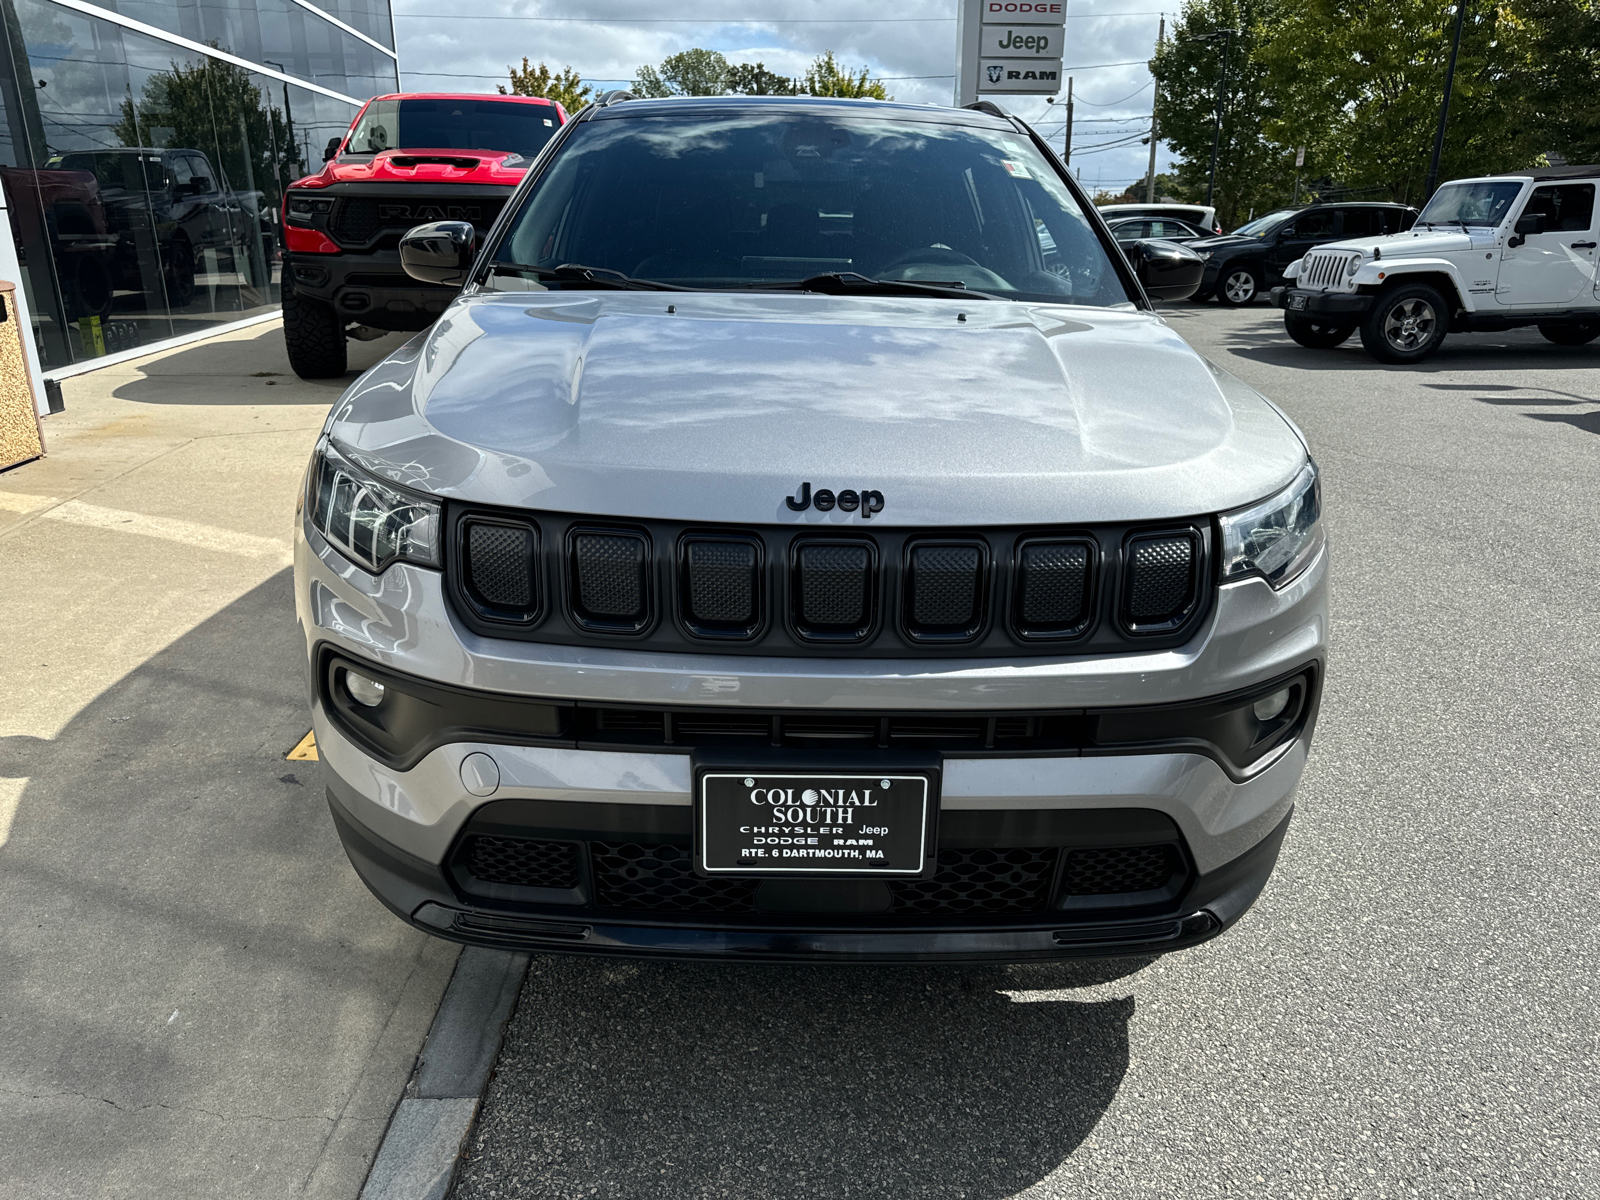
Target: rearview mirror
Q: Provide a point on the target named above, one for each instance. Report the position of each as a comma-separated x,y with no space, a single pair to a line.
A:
440,252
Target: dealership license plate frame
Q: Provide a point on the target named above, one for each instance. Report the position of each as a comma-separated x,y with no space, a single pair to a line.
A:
711,812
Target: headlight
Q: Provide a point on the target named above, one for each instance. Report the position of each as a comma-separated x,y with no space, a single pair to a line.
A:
371,522
1277,538
1355,265
1206,253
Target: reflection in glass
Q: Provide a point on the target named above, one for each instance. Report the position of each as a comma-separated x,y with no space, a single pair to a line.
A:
143,180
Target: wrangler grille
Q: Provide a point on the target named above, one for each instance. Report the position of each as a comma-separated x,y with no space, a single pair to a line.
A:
1326,270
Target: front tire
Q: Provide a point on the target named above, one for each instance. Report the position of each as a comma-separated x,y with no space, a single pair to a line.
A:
1316,335
1579,333
1238,286
313,335
1405,325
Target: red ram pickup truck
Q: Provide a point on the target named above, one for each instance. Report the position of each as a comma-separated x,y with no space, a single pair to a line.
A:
407,159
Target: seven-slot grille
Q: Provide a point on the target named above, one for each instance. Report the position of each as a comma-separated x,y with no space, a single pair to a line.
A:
1326,270
773,592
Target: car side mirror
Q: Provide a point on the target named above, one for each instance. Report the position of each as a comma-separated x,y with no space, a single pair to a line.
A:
331,149
440,252
1167,270
1527,223
198,185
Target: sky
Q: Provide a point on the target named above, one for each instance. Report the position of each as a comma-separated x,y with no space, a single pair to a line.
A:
910,45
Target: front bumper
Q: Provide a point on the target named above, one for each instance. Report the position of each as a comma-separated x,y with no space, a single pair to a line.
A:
405,827
1320,304
369,287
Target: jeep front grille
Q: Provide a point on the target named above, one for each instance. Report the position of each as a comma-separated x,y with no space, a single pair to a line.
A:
788,591
1326,270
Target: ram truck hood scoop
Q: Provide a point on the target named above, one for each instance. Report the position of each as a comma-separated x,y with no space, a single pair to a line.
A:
719,406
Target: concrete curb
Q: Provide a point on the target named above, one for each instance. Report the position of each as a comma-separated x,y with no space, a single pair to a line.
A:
428,1131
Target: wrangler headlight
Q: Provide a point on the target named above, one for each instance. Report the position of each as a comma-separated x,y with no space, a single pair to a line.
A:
1278,537
371,522
1354,265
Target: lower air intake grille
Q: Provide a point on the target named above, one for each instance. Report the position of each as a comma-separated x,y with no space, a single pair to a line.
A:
1103,871
1161,580
834,583
628,875
609,573
1053,588
980,881
522,862
499,568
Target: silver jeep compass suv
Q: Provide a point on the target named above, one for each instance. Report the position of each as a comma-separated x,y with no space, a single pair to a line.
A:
802,540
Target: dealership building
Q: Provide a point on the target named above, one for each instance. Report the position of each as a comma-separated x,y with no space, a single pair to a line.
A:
144,151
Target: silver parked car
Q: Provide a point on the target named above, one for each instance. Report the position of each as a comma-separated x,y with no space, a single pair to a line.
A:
776,553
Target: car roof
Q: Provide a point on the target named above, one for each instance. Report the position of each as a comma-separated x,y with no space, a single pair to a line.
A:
462,96
678,105
1544,174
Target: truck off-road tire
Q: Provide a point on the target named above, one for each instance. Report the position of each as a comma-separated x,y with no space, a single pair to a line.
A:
1405,325
313,334
1317,335
1238,286
1578,333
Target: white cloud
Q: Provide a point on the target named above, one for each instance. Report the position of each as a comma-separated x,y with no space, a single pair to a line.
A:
914,54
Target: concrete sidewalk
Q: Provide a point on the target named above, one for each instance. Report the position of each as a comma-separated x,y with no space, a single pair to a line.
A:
197,996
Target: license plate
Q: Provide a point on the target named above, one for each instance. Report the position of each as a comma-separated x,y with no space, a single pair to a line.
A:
1296,300
813,824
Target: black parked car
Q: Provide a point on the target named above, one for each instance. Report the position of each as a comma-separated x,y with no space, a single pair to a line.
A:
1169,229
1243,264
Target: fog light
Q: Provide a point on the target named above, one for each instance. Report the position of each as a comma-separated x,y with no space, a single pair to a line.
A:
370,692
1267,708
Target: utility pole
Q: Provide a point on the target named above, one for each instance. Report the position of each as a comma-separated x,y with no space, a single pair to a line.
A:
1216,130
1155,105
1066,150
1444,108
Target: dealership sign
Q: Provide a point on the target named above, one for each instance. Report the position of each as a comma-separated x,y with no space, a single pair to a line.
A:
1010,47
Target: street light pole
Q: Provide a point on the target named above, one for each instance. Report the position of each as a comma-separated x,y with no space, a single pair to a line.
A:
1155,105
1444,108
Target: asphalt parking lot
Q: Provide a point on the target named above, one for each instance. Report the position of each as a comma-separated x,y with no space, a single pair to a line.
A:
1409,1010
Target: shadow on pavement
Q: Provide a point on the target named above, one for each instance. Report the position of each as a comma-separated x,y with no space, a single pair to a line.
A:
257,360
192,979
650,1079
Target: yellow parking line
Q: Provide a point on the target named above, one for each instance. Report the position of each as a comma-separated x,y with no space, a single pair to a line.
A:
305,749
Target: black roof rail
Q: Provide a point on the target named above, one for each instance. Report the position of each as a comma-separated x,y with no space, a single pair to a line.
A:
990,107
614,96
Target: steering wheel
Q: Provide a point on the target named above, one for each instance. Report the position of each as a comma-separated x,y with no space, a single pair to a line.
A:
937,255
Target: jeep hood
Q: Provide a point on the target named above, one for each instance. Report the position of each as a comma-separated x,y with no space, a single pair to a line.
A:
715,407
1422,243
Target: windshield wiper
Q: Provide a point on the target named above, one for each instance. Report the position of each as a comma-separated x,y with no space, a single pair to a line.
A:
579,274
839,283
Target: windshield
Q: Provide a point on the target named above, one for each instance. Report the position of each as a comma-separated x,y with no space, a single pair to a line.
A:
494,125
736,199
1470,204
1262,226
131,170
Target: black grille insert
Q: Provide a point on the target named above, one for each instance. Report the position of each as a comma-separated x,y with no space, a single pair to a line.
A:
610,578
1161,580
522,862
721,586
834,585
944,590
500,568
629,875
1108,870
980,881
1054,592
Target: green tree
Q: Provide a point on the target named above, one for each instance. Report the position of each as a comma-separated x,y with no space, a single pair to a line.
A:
1253,169
688,73
1359,83
1557,61
565,86
825,77
753,79
214,107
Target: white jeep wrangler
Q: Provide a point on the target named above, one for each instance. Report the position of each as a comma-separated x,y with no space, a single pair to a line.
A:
1486,254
